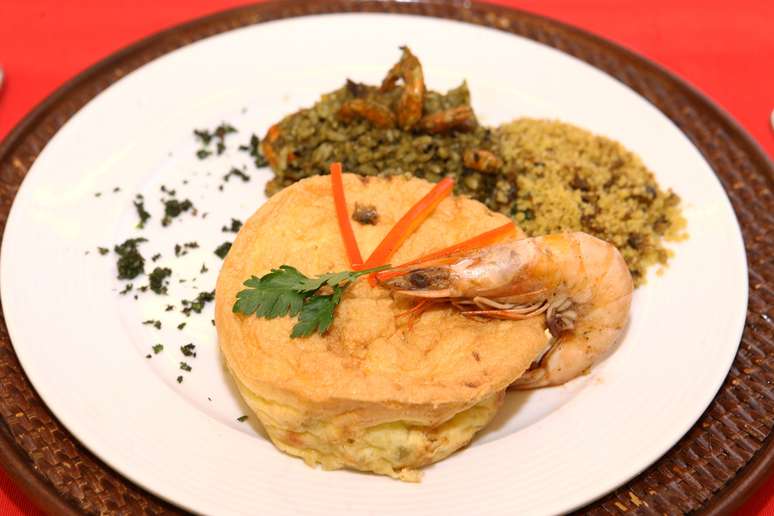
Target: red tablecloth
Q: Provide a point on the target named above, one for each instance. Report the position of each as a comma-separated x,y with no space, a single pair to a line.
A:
724,48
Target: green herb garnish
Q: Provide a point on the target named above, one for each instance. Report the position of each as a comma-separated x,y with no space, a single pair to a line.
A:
157,279
185,367
188,350
234,227
179,379
223,250
242,419
182,250
254,148
139,204
238,173
173,208
103,250
286,291
130,262
203,135
197,304
158,348
220,133
153,322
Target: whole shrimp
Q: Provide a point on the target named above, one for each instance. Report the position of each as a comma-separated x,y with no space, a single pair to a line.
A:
460,118
412,98
578,283
377,114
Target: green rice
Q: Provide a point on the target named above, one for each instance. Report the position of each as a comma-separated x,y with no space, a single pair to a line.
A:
555,177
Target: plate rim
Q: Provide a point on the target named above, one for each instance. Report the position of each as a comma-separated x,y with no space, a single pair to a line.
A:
12,456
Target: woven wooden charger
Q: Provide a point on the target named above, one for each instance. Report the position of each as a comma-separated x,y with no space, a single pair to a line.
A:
712,469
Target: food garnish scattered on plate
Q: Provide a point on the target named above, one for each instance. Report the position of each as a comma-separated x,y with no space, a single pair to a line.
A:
547,175
374,320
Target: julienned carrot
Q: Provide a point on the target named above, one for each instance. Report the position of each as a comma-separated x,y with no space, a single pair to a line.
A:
408,224
345,227
477,242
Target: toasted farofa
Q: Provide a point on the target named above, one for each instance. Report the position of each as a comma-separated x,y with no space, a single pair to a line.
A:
568,179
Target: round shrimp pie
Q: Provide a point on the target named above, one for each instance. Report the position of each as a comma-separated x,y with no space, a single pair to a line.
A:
374,393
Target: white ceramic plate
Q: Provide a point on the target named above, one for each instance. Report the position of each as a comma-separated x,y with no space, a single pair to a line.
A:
83,345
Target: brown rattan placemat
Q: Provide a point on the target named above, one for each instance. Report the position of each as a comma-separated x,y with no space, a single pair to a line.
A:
712,469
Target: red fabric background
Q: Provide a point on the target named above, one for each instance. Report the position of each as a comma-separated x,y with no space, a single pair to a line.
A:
723,48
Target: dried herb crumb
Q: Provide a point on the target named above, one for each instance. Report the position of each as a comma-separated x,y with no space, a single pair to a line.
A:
155,257
126,289
153,322
144,288
223,250
235,172
182,250
220,133
103,250
97,194
130,262
173,208
254,149
147,356
158,280
188,350
203,269
179,379
116,189
203,135
158,348
242,419
185,367
139,204
196,305
168,191
181,326
169,308
234,227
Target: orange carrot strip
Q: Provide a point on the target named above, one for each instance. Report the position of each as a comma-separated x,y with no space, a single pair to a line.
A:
345,227
408,224
476,242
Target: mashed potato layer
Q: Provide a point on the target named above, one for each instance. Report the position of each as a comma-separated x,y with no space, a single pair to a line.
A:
371,394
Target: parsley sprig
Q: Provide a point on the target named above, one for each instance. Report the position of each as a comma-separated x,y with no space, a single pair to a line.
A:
286,291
